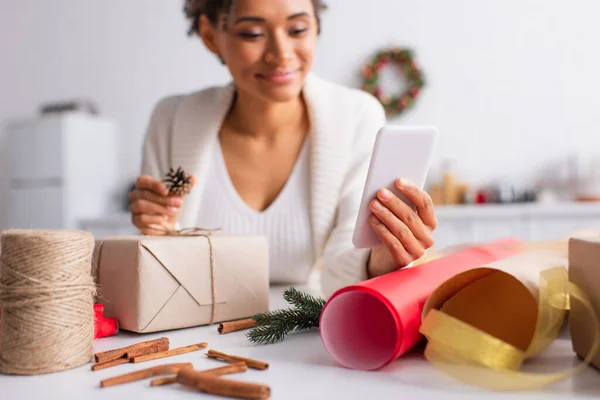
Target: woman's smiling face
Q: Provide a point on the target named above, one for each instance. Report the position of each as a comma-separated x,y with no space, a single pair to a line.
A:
268,45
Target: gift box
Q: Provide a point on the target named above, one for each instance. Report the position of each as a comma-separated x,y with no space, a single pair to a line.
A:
584,272
158,283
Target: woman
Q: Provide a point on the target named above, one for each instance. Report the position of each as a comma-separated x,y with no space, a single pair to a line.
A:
278,152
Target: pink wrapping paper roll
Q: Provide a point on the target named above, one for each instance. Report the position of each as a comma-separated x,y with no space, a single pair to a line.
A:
368,325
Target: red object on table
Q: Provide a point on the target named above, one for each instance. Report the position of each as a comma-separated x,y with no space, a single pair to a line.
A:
368,325
104,326
480,199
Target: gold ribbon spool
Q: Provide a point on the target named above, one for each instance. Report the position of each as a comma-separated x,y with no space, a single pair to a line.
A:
474,357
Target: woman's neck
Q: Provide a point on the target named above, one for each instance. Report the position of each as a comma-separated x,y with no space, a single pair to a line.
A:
265,120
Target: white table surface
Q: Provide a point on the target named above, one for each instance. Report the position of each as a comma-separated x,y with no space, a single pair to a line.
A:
300,368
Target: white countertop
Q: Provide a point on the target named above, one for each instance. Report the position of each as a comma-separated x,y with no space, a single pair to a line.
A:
520,210
300,368
551,209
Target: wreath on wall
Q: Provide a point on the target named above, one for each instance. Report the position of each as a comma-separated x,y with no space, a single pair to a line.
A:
404,59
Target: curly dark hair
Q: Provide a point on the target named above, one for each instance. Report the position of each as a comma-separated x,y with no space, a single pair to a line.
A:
193,9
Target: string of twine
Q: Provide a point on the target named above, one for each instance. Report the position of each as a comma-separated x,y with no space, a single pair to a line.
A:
203,232
46,296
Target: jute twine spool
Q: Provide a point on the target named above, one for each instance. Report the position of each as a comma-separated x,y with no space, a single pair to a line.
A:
46,296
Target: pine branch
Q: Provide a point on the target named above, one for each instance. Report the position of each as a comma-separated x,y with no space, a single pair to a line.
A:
266,335
271,317
275,325
290,318
304,301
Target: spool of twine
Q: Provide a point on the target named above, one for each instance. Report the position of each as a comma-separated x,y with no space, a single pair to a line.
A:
46,297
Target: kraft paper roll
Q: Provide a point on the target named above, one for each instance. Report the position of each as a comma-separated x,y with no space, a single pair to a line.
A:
368,325
500,298
483,324
478,358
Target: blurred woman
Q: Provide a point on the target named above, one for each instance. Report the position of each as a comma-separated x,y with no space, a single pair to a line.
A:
277,152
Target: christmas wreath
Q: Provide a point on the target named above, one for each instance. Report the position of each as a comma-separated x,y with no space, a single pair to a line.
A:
403,58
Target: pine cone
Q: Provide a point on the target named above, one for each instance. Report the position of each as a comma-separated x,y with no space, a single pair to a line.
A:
178,182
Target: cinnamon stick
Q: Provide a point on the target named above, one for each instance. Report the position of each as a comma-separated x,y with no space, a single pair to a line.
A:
167,369
213,384
226,370
170,353
164,381
109,364
144,351
234,326
256,364
105,356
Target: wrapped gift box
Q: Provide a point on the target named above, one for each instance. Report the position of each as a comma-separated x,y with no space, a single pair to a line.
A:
158,283
584,271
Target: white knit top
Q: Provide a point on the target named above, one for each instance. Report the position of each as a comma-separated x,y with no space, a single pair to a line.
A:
285,223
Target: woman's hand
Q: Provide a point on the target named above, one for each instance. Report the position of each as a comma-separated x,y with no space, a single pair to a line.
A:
405,232
153,211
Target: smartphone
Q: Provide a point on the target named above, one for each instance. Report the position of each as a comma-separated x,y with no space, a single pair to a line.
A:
399,152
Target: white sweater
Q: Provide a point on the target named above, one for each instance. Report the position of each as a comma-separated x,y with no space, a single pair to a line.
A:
285,223
183,130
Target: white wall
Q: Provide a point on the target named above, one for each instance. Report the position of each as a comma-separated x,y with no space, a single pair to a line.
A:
512,84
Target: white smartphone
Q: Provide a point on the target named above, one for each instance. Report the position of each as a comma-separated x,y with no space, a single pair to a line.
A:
399,152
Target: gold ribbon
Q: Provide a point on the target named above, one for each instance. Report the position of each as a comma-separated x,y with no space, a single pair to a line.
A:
477,358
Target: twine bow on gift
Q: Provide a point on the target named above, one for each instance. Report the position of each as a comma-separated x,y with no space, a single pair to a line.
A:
194,231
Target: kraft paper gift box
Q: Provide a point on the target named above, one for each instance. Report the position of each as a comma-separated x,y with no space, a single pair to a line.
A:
584,271
158,283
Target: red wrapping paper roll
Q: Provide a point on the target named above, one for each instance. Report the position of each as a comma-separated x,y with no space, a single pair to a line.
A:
368,325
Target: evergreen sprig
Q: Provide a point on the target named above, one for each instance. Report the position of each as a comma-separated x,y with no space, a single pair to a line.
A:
304,301
273,326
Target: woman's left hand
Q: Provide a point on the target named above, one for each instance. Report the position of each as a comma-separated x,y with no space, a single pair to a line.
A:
404,231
